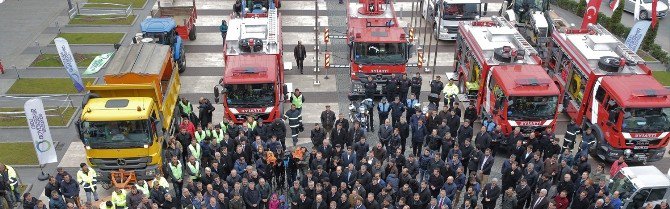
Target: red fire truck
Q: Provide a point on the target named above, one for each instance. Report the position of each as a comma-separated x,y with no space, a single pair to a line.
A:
253,76
378,45
502,72
608,88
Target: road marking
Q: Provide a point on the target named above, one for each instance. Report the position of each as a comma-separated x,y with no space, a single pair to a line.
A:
204,60
74,155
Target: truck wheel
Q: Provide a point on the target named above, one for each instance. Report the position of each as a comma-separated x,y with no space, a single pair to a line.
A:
191,34
182,67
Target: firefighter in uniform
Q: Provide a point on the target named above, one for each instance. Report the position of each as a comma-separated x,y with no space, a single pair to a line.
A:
144,187
107,205
176,176
194,150
450,92
416,85
119,198
8,174
193,169
370,106
294,118
86,178
218,133
397,108
384,107
403,87
570,135
201,134
297,99
252,124
370,87
392,87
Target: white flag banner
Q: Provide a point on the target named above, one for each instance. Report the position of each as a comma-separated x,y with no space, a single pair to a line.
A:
69,63
39,130
636,35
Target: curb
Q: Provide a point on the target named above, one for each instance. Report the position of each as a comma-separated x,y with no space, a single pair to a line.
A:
34,95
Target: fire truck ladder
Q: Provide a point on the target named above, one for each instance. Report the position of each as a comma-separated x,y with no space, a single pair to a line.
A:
621,48
272,30
523,44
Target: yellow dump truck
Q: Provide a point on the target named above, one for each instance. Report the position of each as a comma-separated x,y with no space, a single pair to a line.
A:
125,121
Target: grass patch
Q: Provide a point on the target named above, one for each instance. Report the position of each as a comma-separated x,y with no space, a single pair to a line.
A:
18,153
45,86
53,60
92,38
133,3
663,77
102,20
54,120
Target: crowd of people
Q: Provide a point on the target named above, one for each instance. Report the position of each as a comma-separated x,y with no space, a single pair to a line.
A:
444,165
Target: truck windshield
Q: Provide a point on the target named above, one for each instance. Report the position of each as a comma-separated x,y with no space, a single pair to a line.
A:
528,5
161,38
380,53
532,107
459,11
646,120
622,184
116,134
250,95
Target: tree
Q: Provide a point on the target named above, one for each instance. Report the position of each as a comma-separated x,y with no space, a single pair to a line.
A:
650,37
616,16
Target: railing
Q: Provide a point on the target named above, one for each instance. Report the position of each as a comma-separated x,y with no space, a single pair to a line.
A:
54,106
100,10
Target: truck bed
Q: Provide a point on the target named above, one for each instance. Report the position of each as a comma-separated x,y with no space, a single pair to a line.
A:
181,11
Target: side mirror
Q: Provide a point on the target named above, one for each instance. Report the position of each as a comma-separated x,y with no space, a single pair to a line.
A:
284,90
81,135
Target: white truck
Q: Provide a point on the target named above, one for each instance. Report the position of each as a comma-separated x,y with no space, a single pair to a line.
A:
446,14
640,185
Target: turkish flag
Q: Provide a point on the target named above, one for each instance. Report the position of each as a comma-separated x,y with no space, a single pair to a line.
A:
591,13
654,15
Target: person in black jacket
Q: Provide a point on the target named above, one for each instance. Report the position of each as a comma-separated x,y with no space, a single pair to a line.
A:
510,177
370,87
471,112
464,132
403,126
522,193
299,53
436,86
490,194
252,197
317,135
391,88
339,135
279,130
170,203
483,139
397,108
416,84
403,87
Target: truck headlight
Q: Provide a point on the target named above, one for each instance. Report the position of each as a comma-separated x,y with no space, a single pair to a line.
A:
628,152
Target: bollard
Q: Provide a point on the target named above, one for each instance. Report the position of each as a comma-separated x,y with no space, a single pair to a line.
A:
2,68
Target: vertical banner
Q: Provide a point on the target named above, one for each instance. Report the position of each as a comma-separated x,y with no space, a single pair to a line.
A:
69,63
39,130
591,13
636,35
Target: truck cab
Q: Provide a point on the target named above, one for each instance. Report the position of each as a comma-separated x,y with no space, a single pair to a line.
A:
125,121
502,73
252,82
378,46
446,14
633,112
640,185
163,31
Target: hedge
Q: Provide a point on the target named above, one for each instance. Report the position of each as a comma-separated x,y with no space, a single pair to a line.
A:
613,24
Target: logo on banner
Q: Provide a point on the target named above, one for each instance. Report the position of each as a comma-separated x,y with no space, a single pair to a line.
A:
636,35
37,123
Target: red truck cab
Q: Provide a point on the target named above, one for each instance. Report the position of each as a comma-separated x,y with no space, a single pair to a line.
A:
253,77
378,45
503,75
610,89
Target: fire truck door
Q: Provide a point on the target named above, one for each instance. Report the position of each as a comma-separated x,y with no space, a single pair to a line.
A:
488,98
597,98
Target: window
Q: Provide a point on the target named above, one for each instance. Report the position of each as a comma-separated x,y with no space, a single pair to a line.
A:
600,94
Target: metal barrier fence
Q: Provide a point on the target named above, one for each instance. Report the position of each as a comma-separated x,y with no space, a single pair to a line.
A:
54,106
100,10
